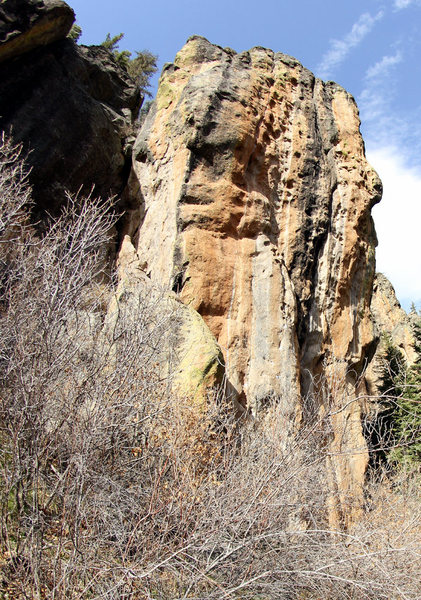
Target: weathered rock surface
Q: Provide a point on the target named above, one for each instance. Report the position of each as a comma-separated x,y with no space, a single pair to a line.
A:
392,322
71,106
390,318
255,199
27,24
190,356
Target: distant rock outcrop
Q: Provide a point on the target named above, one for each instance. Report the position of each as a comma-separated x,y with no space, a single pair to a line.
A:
392,324
72,106
255,206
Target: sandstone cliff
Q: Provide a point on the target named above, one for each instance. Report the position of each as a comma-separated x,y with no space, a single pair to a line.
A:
250,197
255,199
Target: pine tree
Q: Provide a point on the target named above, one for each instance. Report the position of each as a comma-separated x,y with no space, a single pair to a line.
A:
393,369
111,43
407,422
141,68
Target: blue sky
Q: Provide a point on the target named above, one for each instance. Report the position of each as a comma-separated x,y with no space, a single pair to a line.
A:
370,47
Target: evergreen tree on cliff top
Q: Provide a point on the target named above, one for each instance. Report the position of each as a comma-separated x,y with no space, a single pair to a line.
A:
141,68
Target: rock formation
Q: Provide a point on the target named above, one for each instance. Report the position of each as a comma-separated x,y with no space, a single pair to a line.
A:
72,106
28,24
189,353
250,197
390,320
255,199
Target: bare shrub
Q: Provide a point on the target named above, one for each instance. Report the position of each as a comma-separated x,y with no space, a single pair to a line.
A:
15,191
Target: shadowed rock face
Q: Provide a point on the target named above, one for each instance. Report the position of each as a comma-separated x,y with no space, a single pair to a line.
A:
255,199
28,24
71,106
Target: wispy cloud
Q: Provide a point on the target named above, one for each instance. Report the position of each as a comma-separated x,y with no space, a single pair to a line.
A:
401,4
384,123
339,49
374,100
383,66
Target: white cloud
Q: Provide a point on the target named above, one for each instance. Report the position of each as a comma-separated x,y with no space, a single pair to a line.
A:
382,67
341,48
398,219
399,4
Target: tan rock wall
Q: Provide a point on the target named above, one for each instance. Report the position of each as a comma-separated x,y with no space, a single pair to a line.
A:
176,339
256,197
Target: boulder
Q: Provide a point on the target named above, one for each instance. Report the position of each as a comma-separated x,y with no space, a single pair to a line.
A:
28,24
182,346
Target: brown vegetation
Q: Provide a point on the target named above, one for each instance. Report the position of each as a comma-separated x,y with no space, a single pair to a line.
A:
113,488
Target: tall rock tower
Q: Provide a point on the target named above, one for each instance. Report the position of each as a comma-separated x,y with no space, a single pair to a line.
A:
255,199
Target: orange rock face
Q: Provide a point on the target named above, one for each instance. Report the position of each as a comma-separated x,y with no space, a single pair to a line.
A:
255,199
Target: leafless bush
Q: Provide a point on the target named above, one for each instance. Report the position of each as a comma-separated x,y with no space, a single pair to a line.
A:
113,488
16,193
71,406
